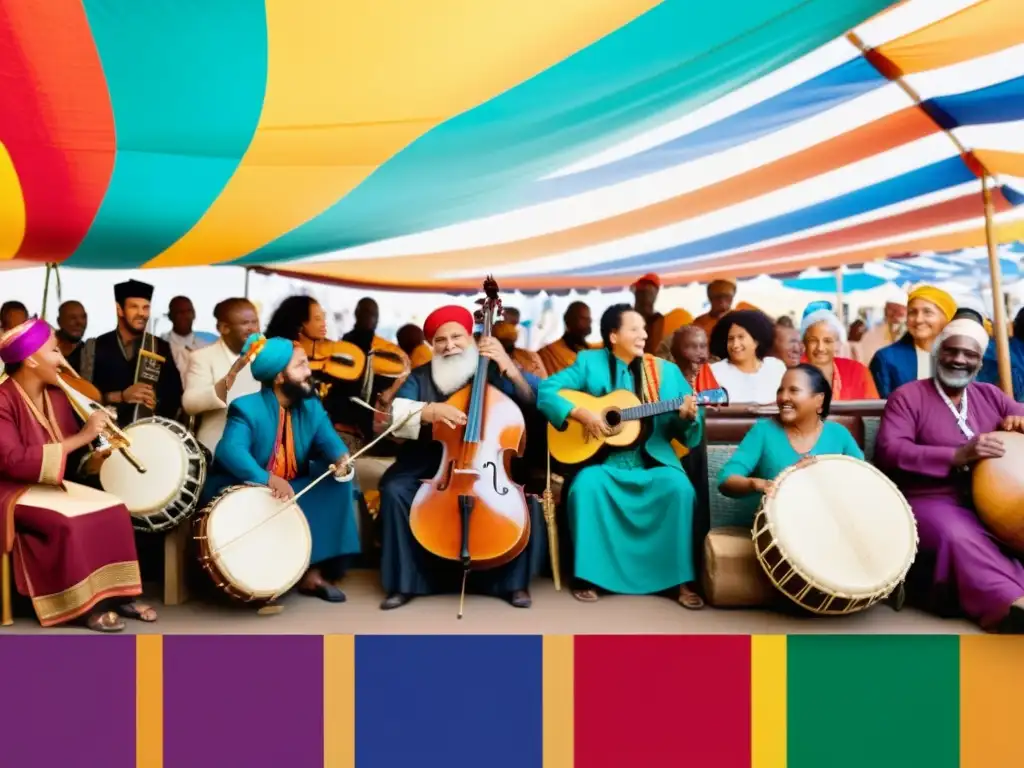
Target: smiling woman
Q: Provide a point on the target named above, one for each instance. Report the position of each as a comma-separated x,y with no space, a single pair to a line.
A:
909,359
776,443
742,341
824,337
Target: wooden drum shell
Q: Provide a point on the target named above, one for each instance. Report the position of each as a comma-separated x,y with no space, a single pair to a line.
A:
998,490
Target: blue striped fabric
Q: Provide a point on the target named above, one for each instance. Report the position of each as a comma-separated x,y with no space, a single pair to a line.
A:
922,181
811,98
999,103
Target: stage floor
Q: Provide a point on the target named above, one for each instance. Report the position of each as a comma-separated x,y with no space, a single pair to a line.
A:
553,613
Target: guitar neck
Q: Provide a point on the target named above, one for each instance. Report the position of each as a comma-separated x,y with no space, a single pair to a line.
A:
647,410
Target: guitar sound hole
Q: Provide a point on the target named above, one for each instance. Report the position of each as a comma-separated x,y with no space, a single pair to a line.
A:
613,418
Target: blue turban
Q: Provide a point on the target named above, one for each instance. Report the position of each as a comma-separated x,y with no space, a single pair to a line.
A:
271,359
817,306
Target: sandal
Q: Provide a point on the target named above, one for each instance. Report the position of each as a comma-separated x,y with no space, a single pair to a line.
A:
585,595
138,611
107,621
689,599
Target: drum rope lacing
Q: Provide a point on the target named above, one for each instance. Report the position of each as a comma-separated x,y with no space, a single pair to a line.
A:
293,501
855,603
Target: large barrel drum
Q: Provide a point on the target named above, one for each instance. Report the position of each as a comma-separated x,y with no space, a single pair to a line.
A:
998,487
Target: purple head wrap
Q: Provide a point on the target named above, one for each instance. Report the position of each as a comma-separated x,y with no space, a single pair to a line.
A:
22,342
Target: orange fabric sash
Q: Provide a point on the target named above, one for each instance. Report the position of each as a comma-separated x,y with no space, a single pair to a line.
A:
282,458
652,379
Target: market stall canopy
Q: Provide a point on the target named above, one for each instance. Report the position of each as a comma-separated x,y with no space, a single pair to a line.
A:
571,143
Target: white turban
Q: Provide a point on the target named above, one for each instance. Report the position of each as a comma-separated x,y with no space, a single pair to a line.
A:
963,326
823,316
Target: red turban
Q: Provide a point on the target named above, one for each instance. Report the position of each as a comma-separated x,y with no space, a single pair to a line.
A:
449,314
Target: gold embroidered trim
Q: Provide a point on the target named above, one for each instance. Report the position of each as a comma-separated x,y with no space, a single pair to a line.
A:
52,470
112,580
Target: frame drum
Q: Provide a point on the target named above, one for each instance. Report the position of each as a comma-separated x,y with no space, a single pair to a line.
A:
835,536
175,473
254,546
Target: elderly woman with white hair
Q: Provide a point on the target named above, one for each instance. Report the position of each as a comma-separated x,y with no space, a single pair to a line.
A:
933,433
824,338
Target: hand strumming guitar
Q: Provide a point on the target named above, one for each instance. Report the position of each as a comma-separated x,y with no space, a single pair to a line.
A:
593,425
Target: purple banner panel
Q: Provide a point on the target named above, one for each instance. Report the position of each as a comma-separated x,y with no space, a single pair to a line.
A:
67,701
252,701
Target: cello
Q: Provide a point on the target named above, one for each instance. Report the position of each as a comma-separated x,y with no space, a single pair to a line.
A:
471,511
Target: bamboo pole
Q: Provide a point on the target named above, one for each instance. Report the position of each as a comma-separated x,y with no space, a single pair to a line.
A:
999,326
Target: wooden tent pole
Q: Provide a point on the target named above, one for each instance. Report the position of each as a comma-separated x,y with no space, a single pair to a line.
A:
999,327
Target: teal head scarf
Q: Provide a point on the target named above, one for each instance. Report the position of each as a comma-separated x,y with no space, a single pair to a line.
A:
271,358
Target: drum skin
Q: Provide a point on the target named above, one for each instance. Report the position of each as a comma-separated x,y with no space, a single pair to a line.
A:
835,535
254,547
168,494
998,486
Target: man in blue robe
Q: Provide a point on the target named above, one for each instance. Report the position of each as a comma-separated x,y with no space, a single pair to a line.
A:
281,437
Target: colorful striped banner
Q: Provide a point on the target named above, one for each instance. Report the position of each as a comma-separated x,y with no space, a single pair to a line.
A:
524,701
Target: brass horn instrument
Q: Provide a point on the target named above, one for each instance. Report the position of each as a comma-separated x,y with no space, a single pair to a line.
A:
112,437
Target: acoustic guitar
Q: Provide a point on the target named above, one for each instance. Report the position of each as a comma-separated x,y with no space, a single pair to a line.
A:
622,411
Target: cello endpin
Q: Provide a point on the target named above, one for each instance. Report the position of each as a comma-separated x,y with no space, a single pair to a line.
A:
462,593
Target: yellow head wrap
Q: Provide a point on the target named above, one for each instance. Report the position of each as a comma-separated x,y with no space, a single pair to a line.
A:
936,296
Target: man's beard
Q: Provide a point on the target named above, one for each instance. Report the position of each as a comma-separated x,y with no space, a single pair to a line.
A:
450,374
296,391
954,379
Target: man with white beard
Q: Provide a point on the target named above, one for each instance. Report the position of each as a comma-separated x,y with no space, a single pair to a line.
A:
408,570
932,434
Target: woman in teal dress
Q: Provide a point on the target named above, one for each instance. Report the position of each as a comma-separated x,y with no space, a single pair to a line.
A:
799,431
631,515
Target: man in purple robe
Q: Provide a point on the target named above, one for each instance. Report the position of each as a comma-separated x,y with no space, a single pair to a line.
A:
933,431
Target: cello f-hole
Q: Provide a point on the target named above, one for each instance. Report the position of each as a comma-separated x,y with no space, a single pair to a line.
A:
494,478
447,479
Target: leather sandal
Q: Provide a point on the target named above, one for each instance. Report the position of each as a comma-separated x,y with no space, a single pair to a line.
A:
107,621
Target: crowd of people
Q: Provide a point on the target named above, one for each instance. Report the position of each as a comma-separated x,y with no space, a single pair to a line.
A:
279,408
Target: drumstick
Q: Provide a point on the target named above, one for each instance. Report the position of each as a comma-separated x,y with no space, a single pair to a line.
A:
330,470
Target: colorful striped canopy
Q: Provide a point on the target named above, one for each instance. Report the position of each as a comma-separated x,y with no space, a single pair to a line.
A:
572,143
963,266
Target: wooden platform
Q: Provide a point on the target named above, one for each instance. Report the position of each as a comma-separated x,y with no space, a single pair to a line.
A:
553,613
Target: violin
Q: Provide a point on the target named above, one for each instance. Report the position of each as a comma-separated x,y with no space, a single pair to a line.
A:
471,511
340,360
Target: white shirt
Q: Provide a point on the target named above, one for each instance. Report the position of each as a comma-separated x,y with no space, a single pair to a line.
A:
182,347
206,367
760,387
924,364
